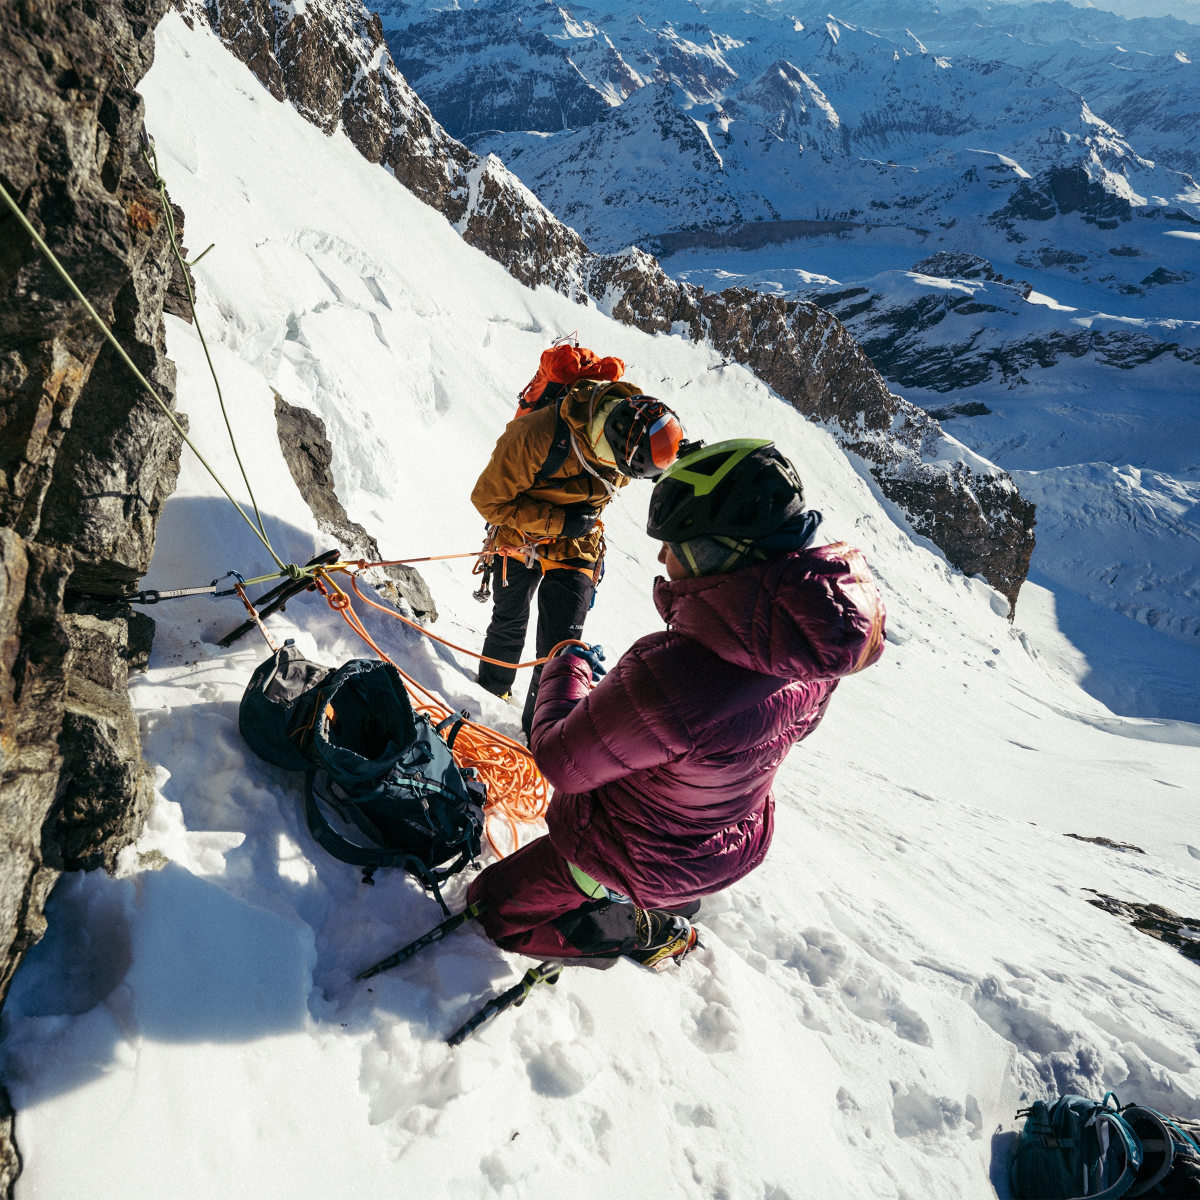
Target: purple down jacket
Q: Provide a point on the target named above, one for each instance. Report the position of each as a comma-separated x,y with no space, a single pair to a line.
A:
663,772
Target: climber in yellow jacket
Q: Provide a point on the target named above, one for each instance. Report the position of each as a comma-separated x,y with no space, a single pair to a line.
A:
552,471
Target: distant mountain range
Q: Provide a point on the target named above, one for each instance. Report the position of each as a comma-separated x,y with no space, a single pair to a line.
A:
630,126
1054,143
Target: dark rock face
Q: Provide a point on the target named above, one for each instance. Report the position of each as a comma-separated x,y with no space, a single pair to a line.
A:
980,521
86,460
543,89
309,457
946,339
1154,920
1064,190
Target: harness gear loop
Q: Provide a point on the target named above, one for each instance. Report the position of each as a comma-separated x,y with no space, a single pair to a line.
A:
483,566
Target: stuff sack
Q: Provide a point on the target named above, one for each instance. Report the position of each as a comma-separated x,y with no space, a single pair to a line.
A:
1170,1154
559,368
1075,1148
277,707
385,773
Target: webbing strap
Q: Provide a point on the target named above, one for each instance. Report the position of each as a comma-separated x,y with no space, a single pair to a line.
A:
455,721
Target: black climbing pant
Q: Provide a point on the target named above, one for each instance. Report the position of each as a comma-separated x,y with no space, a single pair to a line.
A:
564,596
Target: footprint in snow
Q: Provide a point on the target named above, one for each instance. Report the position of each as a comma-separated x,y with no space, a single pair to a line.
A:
917,1113
822,959
718,1026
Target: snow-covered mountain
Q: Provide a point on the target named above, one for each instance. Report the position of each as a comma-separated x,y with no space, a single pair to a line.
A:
803,119
330,62
995,201
1043,138
931,943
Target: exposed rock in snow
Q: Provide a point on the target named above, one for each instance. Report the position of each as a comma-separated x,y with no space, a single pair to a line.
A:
309,456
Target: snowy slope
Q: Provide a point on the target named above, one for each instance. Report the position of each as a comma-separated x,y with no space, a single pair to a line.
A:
916,957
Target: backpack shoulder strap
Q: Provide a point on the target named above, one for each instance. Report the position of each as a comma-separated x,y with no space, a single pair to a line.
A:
371,858
342,848
560,448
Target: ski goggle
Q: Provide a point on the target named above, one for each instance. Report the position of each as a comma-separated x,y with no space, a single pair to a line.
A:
652,440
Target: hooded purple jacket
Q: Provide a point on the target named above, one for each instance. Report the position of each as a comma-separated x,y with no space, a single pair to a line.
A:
663,772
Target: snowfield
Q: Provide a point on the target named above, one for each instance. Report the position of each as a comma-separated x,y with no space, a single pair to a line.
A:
916,960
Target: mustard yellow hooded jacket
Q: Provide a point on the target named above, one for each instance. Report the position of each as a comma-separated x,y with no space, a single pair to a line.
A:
524,509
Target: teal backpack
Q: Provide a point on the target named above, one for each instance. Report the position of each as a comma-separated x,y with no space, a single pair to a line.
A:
1075,1148
381,788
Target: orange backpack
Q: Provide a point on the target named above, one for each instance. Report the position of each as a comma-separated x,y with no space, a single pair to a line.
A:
560,367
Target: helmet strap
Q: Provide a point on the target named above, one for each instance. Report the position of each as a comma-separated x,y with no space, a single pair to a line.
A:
710,555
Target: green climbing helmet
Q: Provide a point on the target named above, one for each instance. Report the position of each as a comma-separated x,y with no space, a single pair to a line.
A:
742,488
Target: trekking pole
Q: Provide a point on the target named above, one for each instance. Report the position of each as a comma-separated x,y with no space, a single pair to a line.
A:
426,939
547,972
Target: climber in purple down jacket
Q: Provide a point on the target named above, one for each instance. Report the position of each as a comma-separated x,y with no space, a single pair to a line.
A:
663,771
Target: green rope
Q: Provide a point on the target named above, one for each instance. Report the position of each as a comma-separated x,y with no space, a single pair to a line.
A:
150,158
52,259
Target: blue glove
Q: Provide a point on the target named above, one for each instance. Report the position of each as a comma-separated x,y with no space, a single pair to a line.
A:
592,655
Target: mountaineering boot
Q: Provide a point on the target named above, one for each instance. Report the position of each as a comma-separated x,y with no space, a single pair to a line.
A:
662,938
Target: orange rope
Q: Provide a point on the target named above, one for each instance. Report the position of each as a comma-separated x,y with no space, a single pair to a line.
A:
391,612
363,565
517,790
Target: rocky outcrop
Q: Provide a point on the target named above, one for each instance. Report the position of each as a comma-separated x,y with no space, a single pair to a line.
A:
309,457
975,516
1062,190
544,89
968,508
86,459
1152,919
970,325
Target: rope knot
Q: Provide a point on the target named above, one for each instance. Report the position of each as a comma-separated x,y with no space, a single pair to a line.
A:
295,573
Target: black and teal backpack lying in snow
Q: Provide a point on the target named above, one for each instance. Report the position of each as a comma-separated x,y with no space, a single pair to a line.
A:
386,773
1074,1148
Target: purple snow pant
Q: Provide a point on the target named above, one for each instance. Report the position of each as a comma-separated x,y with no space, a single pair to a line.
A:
533,906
